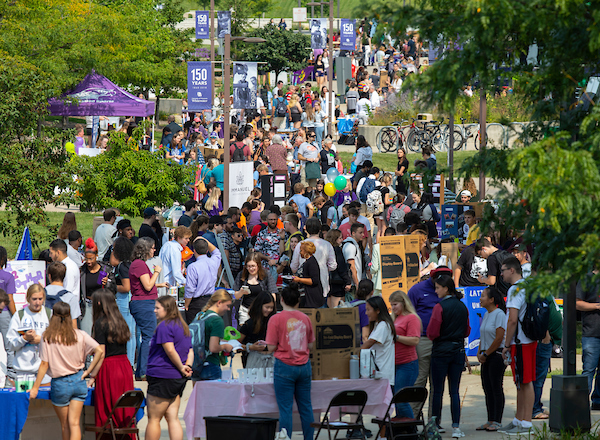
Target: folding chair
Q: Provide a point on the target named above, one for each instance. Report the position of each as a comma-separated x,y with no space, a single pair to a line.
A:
129,399
398,427
355,398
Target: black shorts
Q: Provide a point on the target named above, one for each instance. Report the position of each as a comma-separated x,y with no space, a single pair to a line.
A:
337,293
166,388
88,131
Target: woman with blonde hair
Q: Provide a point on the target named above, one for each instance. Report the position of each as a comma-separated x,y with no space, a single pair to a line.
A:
309,276
210,165
214,330
69,224
308,118
213,206
63,351
387,199
295,111
408,331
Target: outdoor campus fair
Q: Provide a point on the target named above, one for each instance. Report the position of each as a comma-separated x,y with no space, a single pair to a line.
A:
287,228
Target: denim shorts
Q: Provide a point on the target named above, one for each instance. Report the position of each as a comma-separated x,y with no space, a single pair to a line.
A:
67,388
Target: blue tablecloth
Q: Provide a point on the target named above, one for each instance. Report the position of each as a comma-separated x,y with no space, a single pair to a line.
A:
14,408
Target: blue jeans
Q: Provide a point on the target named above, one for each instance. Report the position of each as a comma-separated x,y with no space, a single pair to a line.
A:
542,364
143,313
319,132
209,371
591,359
406,374
294,381
66,388
123,305
451,367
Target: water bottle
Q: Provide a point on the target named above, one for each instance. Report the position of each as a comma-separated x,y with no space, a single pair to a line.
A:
354,367
507,360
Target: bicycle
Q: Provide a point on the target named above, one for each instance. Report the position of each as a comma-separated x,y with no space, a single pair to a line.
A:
430,136
392,137
468,133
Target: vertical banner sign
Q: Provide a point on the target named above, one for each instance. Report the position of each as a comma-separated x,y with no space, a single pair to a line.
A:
244,86
318,33
202,25
476,312
241,182
347,35
199,85
223,23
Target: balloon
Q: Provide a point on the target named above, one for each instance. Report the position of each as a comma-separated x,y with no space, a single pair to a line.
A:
332,173
330,189
70,147
340,182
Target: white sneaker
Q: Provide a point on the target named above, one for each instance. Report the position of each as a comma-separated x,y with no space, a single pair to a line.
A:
457,433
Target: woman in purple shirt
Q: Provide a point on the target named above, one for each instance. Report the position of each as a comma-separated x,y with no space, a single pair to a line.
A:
169,367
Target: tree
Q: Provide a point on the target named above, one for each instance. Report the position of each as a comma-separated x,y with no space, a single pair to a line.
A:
555,175
283,50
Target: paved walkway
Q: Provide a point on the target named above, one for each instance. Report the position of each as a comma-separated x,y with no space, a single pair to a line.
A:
472,403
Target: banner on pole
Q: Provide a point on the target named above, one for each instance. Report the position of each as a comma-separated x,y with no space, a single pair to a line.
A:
202,25
318,33
244,85
241,182
199,85
347,35
223,23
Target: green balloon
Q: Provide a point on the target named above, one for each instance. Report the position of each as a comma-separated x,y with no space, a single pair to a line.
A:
340,183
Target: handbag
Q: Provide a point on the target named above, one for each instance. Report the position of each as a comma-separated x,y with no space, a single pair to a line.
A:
200,186
256,359
312,170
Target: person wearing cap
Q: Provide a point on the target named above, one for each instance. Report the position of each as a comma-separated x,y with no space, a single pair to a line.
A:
215,227
465,196
213,142
146,229
201,277
171,257
424,299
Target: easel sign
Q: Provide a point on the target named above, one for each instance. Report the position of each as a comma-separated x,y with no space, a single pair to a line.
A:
26,273
273,189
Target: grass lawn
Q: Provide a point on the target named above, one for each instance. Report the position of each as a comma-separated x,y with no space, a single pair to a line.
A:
388,161
85,222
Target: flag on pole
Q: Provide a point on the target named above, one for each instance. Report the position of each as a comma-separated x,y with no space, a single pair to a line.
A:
25,251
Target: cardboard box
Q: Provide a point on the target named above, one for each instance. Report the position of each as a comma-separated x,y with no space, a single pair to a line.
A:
399,263
327,364
335,329
450,250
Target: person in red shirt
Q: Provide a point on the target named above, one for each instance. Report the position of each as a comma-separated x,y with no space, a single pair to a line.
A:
290,336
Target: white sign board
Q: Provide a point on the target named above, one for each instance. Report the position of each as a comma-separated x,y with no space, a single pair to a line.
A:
241,182
89,151
299,15
26,273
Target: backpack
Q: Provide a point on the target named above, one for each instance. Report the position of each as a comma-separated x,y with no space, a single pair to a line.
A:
303,102
435,213
198,333
21,313
366,189
238,153
53,299
395,215
281,107
537,319
374,202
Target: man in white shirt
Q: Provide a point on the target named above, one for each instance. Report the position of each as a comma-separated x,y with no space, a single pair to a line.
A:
362,107
75,240
58,253
374,98
353,253
170,255
106,232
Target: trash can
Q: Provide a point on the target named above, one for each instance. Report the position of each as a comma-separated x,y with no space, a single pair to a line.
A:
240,428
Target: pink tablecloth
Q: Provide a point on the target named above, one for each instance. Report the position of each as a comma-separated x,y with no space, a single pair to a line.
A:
216,398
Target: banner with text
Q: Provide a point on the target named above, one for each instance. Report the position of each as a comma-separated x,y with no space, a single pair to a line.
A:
26,273
241,182
202,25
223,23
476,312
347,35
244,85
199,85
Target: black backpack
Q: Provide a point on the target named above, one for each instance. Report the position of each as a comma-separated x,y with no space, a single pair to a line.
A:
537,318
238,154
53,299
281,107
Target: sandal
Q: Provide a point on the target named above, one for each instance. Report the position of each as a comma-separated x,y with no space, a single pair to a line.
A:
493,427
540,416
483,427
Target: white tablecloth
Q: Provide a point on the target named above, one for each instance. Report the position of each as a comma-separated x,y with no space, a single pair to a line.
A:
217,398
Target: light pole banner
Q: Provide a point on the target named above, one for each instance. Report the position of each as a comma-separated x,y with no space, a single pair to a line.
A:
244,86
241,182
199,85
223,23
202,25
347,35
318,33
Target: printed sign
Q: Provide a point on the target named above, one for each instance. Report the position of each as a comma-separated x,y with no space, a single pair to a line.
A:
26,273
241,182
223,23
202,25
299,15
347,35
244,85
199,85
476,312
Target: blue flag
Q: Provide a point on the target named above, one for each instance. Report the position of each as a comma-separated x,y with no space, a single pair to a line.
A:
347,35
25,251
199,85
202,25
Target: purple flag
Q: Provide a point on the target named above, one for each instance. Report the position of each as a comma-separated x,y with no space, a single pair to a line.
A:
303,75
347,35
199,97
202,25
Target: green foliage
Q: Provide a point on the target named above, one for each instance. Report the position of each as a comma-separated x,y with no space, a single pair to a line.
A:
283,50
128,179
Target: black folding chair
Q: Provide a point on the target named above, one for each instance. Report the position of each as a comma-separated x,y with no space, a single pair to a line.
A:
129,399
401,427
355,398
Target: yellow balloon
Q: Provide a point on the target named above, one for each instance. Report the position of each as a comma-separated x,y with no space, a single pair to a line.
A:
330,189
70,147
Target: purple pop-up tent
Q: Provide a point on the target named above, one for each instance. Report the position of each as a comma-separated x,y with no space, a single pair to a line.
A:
96,95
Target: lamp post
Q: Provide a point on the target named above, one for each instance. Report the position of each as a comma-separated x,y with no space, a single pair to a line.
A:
226,108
